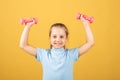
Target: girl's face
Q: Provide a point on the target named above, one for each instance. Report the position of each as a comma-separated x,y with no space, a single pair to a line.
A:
58,37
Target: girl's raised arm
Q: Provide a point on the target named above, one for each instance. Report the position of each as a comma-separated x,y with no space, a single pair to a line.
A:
24,40
89,36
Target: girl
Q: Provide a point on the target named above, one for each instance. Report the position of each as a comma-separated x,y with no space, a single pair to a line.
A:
57,62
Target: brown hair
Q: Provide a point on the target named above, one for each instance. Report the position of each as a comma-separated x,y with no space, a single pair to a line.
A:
61,25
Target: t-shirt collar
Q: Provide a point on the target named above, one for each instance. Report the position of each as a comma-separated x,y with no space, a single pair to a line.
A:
57,51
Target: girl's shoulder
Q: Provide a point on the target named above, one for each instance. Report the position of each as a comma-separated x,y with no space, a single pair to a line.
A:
42,50
71,49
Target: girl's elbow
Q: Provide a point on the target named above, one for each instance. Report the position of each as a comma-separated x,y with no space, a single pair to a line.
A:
92,43
21,46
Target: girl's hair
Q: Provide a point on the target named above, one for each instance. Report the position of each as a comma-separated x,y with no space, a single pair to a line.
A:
61,25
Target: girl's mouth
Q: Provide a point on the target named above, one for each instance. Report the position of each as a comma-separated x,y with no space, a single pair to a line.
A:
57,43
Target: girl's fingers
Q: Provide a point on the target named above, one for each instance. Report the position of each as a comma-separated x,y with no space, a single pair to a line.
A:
82,18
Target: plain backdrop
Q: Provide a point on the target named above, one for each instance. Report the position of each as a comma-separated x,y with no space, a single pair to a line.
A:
101,62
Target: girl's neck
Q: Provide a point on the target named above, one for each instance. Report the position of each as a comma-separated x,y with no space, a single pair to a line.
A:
57,50
62,48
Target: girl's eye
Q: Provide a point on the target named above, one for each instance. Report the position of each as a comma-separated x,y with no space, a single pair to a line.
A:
54,36
61,36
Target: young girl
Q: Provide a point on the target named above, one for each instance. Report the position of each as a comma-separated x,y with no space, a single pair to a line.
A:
57,62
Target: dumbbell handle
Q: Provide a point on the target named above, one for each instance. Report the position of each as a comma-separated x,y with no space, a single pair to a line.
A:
90,19
25,21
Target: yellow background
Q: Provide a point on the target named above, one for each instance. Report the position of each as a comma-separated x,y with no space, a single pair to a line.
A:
102,62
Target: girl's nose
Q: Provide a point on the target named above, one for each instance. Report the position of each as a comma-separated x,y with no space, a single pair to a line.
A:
58,39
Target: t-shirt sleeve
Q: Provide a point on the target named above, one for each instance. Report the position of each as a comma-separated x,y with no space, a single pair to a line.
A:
39,53
74,53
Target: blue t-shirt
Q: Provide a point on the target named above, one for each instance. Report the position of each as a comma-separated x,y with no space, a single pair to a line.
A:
57,63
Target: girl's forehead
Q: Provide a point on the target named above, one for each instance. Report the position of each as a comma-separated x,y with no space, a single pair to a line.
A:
57,30
57,27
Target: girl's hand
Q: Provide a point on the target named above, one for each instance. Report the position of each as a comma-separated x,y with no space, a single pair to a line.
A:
83,19
29,24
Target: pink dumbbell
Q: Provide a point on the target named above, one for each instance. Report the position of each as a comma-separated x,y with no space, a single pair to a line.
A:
25,21
90,19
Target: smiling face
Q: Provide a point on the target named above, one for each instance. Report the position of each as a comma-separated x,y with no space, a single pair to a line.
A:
58,37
